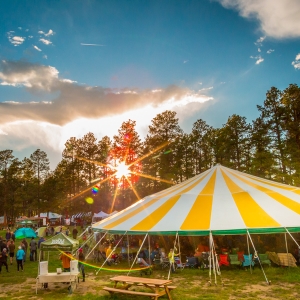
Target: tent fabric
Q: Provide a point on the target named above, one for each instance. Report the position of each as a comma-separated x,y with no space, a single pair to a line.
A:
220,201
25,232
60,242
41,231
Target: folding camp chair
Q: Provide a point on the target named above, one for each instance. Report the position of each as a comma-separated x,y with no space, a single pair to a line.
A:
234,260
264,259
223,260
234,250
205,260
179,264
192,262
248,261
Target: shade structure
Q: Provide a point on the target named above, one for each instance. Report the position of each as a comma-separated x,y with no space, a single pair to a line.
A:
60,242
25,232
218,201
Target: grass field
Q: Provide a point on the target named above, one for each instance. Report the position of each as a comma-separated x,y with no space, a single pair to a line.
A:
191,283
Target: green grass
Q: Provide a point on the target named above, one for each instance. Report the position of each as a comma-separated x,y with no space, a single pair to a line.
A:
191,283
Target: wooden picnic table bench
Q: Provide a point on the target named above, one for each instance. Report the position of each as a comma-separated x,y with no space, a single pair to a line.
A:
128,292
158,287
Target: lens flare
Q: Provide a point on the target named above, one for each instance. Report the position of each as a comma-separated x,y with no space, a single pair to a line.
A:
89,200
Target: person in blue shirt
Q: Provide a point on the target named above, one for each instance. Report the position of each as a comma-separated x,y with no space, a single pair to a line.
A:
19,257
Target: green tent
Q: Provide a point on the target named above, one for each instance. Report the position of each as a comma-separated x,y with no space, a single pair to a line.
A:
60,242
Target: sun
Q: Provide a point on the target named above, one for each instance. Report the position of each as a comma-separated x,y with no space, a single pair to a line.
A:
121,170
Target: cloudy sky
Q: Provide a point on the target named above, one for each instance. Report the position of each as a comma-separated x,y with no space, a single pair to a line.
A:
70,67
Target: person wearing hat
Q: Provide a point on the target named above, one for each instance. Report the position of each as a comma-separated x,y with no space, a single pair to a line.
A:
20,257
3,259
81,258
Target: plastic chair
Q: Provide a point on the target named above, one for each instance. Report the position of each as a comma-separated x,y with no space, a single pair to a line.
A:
264,259
248,260
223,260
234,260
240,256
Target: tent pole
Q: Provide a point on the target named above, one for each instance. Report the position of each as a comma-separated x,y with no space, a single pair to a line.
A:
292,238
213,255
149,249
287,249
110,253
128,250
249,253
256,255
174,247
96,245
179,252
137,254
85,242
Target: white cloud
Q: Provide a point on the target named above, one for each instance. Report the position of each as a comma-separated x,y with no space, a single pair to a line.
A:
98,45
278,19
30,36
185,61
15,40
50,32
45,56
258,50
75,101
46,42
270,51
296,62
37,48
258,58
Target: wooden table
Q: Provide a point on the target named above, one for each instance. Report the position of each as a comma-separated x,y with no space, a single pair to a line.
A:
158,287
70,277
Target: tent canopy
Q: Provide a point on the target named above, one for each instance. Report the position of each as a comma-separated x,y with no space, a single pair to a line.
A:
220,200
60,242
22,233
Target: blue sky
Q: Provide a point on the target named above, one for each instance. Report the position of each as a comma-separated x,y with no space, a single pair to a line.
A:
70,67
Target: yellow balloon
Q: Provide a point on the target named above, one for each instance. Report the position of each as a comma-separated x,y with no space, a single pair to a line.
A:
89,200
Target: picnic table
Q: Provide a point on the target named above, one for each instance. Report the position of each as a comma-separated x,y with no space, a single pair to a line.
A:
157,287
70,277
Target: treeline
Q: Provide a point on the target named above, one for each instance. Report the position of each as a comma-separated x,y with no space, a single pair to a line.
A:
269,147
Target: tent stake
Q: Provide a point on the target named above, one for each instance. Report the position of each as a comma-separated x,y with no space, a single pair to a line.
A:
256,255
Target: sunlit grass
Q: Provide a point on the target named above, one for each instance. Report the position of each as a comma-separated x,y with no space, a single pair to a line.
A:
191,283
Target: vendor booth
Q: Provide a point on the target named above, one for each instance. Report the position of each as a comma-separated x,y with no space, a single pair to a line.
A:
60,243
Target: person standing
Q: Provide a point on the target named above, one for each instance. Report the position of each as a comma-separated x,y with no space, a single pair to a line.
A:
74,232
11,249
81,258
13,237
3,259
65,259
25,247
171,257
20,257
33,248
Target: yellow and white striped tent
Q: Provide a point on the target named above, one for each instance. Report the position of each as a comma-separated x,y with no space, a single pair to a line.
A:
220,201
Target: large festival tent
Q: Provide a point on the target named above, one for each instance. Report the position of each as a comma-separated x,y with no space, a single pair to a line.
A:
219,201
